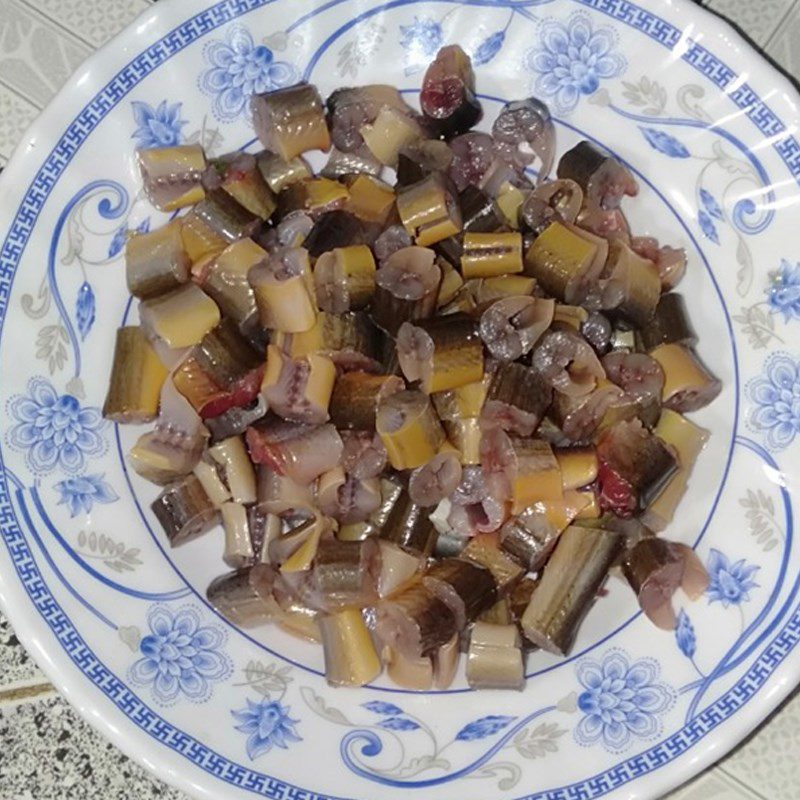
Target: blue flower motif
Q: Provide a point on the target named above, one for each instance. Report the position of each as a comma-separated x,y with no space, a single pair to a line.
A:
730,583
423,38
621,701
85,309
157,127
398,724
708,227
784,292
180,656
483,727
571,60
685,635
665,143
238,69
83,492
267,725
488,48
711,205
776,401
53,430
382,708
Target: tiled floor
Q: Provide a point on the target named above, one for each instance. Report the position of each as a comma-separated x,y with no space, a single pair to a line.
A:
47,752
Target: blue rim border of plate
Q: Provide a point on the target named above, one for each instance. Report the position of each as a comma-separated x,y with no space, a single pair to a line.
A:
25,564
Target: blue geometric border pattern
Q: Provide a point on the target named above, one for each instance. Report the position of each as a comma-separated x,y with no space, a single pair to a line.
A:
709,65
31,578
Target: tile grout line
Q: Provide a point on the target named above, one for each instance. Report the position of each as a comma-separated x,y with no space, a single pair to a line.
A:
740,783
25,693
789,11
37,12
21,96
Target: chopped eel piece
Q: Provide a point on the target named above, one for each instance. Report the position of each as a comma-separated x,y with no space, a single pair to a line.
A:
290,121
495,660
656,569
576,570
300,452
441,353
635,465
414,622
448,98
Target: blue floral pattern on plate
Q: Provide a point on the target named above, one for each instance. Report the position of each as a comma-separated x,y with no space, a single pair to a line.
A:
621,701
422,38
571,60
159,126
379,707
776,400
53,430
238,69
685,635
80,494
665,143
730,583
180,657
707,226
267,724
393,719
483,727
85,309
783,294
488,48
711,205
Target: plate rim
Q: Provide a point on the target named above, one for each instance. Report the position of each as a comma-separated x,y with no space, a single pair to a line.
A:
72,684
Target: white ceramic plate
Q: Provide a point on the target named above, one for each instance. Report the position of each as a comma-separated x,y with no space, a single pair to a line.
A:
121,625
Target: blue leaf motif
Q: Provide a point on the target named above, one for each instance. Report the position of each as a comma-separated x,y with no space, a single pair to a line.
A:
711,205
398,724
708,227
665,143
483,727
685,635
117,242
378,707
143,226
85,309
488,48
